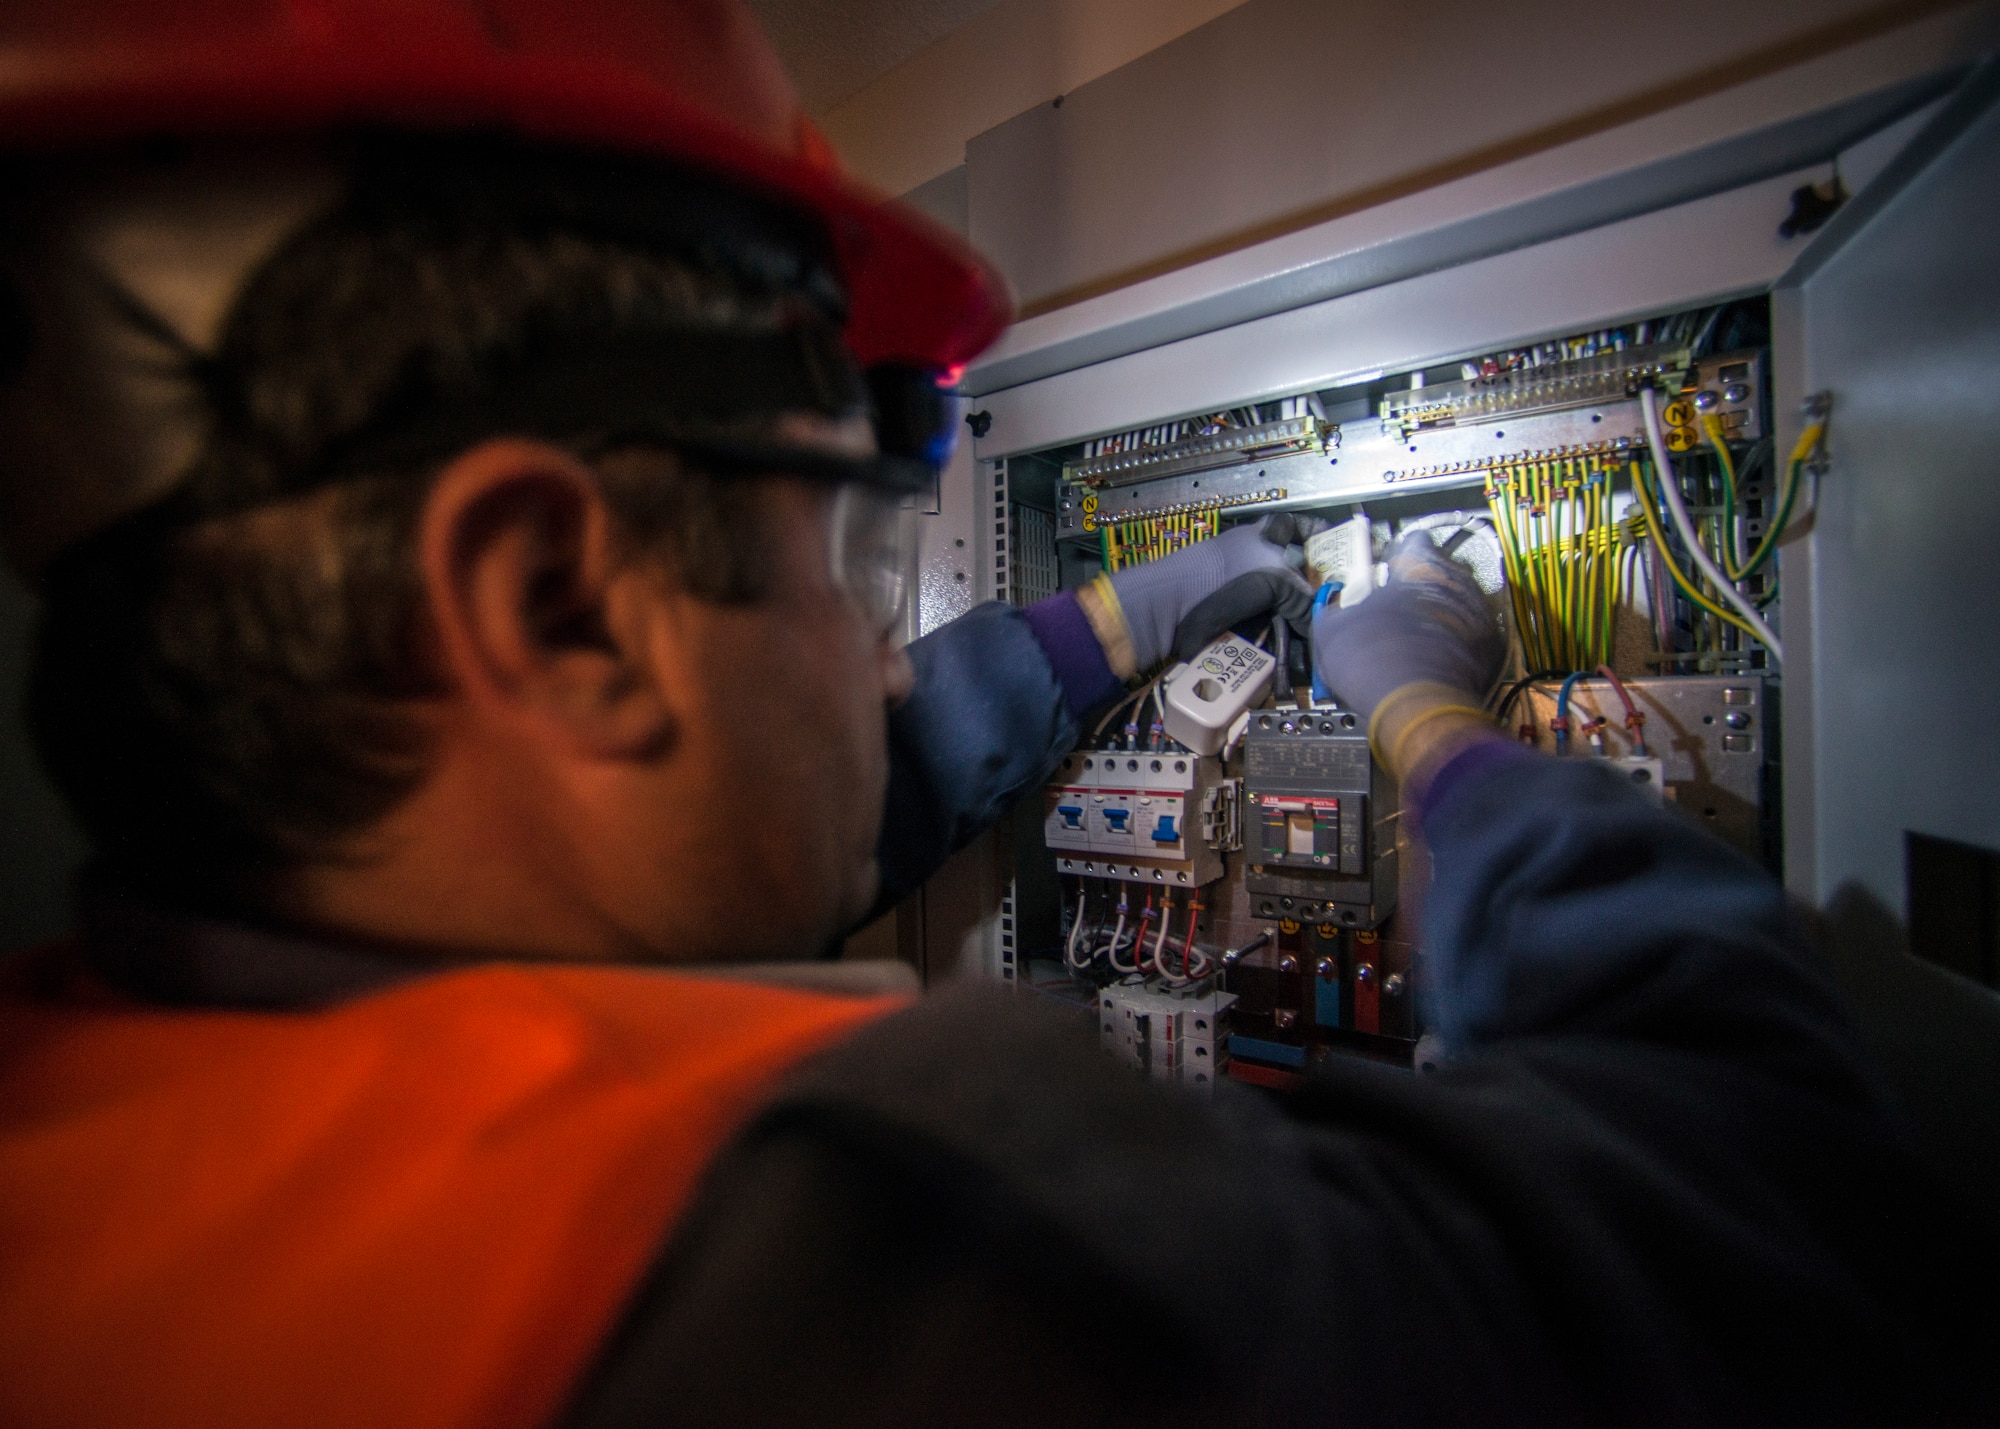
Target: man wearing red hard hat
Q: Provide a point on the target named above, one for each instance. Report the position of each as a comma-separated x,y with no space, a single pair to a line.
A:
460,448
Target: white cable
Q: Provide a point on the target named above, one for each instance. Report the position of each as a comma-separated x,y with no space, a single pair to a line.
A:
1670,492
1076,928
1235,736
1157,962
1160,939
1098,733
1116,935
1140,694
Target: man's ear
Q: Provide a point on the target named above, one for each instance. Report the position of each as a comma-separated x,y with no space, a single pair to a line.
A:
531,605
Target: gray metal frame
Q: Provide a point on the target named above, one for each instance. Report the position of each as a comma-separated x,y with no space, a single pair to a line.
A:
1722,246
964,916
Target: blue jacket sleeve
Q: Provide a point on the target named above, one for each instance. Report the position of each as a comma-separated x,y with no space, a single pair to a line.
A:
987,721
1565,902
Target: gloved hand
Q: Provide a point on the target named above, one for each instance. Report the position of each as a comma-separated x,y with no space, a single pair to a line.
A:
1429,625
1245,572
1273,592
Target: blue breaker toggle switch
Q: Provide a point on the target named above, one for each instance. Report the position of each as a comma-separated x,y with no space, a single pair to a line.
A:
1163,832
1072,815
1116,818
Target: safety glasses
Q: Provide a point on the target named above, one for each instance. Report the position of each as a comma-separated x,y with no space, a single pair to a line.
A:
873,549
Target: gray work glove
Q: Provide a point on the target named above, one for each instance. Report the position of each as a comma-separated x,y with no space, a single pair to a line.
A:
1272,593
1430,624
1264,556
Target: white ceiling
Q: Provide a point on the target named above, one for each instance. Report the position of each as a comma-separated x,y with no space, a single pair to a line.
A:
834,48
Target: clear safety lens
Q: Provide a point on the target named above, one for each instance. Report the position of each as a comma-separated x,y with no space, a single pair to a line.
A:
874,549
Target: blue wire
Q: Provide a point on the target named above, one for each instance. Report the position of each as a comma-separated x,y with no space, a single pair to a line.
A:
1325,593
1562,712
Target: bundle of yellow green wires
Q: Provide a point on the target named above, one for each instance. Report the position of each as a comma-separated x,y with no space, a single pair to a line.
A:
1642,477
1564,558
1147,538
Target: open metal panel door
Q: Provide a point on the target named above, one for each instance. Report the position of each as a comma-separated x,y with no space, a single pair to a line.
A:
1892,618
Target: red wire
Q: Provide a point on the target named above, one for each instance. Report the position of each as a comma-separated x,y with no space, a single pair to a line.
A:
1634,721
1631,710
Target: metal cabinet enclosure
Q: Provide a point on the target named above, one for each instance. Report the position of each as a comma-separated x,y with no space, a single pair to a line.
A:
1891,587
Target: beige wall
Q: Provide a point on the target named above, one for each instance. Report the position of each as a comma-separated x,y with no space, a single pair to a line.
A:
911,125
1283,113
1191,127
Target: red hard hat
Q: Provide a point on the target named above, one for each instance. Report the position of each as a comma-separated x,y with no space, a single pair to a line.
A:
692,79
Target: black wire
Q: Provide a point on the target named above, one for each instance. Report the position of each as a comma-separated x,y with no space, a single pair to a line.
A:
1514,690
1759,453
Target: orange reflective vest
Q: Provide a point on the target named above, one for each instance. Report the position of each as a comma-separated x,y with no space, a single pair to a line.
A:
423,1207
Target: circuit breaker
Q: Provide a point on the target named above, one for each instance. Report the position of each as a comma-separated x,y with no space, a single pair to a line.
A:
1319,842
1141,816
1171,1034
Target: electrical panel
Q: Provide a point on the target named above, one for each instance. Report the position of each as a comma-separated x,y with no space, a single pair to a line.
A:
1319,810
1598,487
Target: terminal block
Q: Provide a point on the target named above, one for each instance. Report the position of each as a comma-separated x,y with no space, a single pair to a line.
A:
1169,1034
1709,739
1141,816
1490,396
1321,845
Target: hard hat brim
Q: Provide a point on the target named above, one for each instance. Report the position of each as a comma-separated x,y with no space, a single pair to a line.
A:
919,294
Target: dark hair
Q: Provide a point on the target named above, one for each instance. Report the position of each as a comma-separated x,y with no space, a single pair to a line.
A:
222,683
